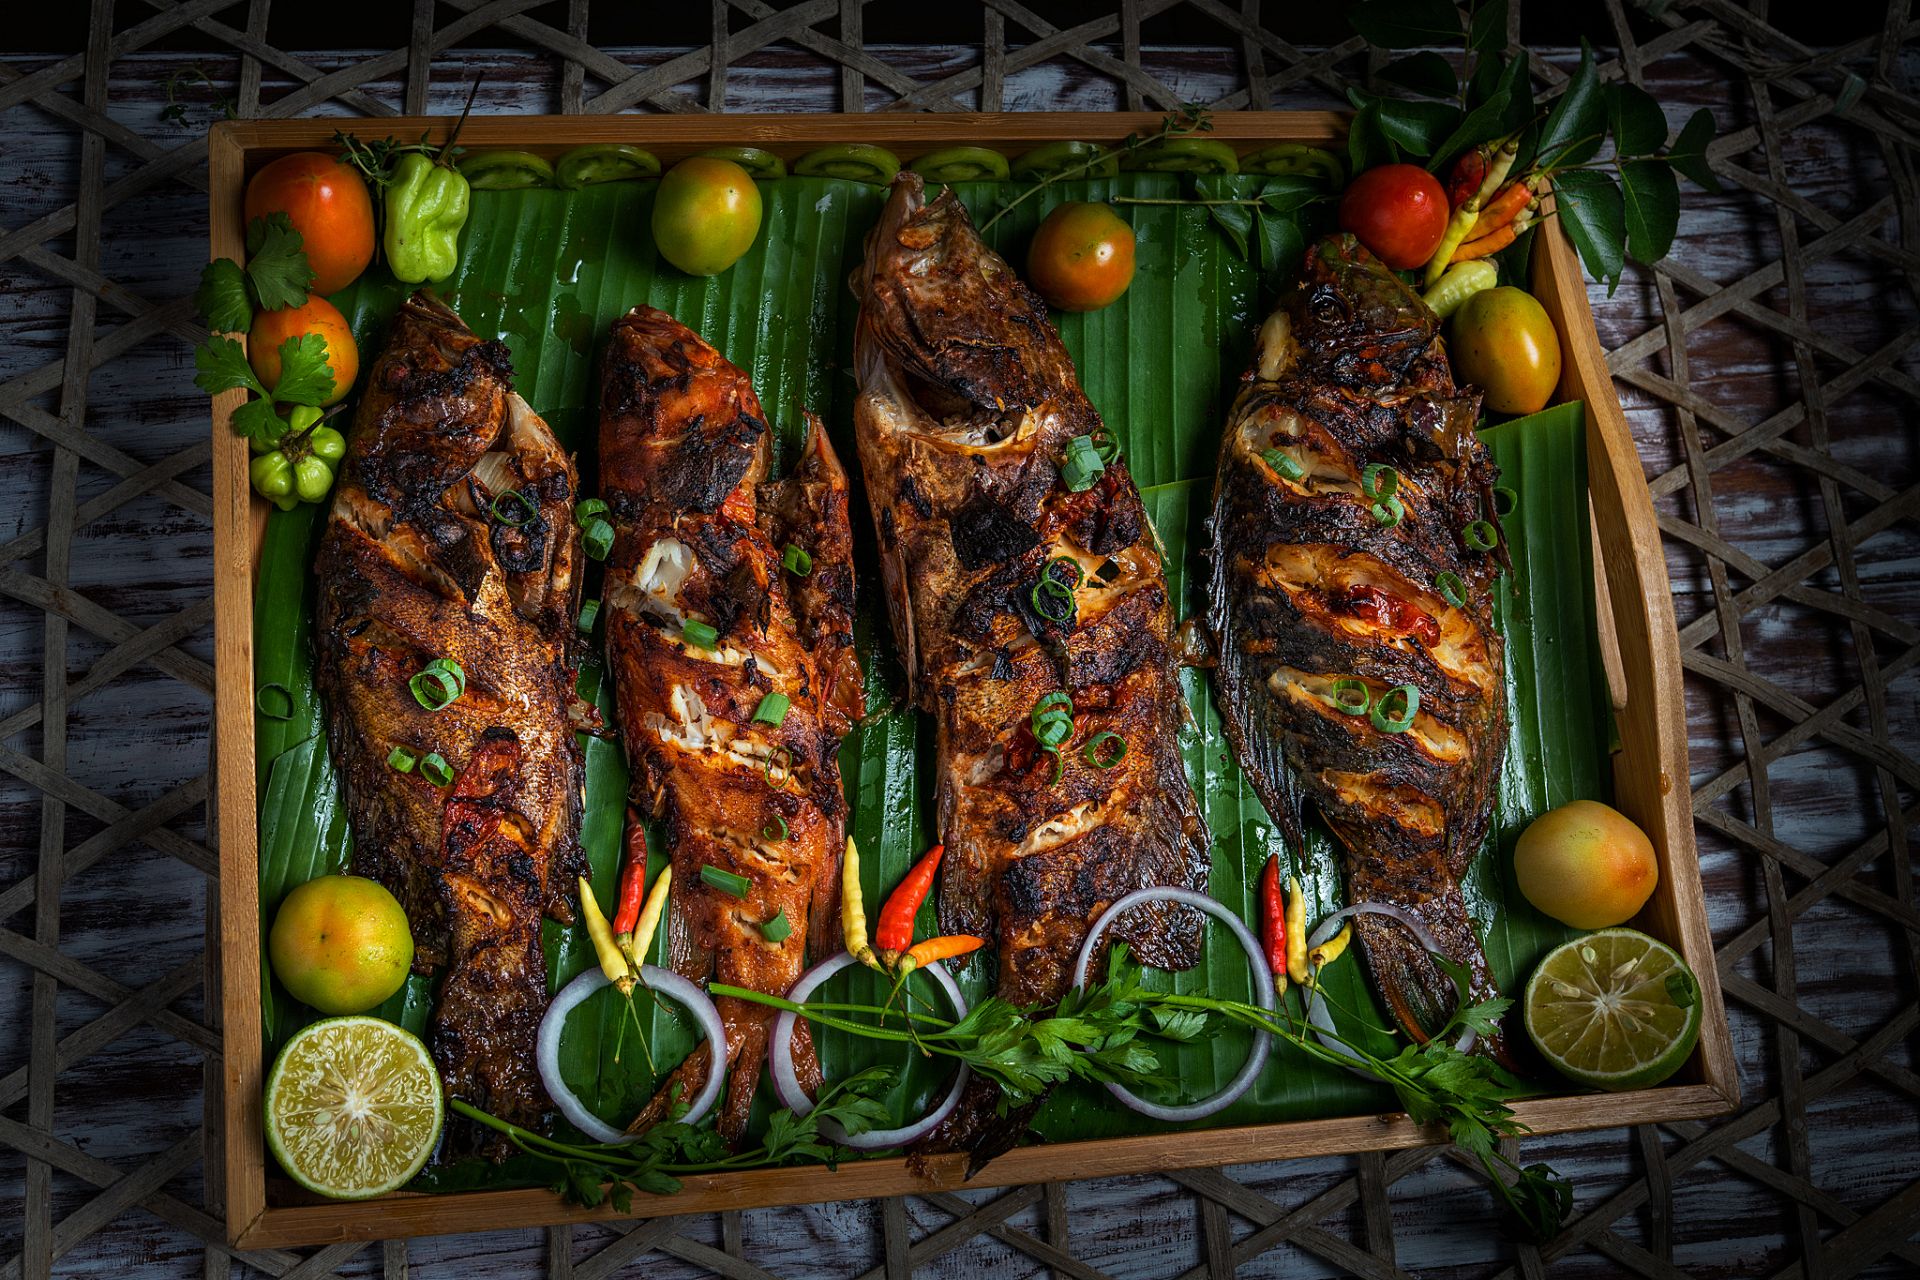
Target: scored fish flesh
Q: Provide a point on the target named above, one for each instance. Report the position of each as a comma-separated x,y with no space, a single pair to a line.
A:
968,408
706,628
451,537
1348,479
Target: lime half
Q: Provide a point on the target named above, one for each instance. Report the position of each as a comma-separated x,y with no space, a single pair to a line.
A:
353,1107
1614,1010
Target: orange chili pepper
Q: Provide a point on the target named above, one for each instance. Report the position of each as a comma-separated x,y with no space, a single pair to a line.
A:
896,918
943,948
1502,209
1487,244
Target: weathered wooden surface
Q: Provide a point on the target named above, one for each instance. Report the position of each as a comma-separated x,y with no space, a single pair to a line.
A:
1784,462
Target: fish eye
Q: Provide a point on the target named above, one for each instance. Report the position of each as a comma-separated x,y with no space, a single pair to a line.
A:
1327,307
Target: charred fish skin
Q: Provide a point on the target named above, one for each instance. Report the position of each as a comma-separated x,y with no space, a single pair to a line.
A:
967,403
1310,585
417,564
699,536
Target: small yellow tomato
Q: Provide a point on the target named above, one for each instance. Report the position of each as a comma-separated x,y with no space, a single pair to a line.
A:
1081,258
1503,342
705,215
1586,864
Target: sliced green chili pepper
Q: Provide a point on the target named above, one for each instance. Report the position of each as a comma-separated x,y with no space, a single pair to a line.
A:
757,163
1184,155
426,207
962,164
855,160
606,162
1292,158
1054,158
506,170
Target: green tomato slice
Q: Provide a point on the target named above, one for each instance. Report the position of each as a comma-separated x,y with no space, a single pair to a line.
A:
1184,155
611,162
760,165
1050,159
962,164
505,170
1293,158
855,160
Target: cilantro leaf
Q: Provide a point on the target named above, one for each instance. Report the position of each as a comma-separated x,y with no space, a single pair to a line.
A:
256,420
276,263
221,365
305,376
222,299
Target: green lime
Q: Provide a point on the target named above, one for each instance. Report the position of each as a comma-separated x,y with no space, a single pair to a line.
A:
1614,1010
353,1107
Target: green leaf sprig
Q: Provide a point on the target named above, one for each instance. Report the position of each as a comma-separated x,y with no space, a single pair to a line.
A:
1622,204
1191,118
276,275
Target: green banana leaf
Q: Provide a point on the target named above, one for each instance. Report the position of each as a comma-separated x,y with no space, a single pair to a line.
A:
547,271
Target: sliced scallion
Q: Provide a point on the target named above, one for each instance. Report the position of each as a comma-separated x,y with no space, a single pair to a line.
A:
1052,599
779,768
439,684
1505,501
401,760
585,513
796,562
775,830
274,701
699,634
435,769
513,509
1082,467
1283,463
1396,722
1481,536
597,538
777,929
1451,587
1102,756
1351,696
1378,480
725,881
1388,511
589,614
772,709
1105,447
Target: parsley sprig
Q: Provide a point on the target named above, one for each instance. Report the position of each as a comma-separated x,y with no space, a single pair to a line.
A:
588,1173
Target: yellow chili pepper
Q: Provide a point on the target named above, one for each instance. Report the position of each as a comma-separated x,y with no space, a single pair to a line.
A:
1330,950
641,942
1296,932
612,963
853,909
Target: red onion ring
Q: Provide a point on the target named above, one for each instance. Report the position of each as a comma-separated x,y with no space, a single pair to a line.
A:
664,981
1263,996
1317,1013
786,1082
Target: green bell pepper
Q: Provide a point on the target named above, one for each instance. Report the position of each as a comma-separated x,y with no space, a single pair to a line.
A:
426,207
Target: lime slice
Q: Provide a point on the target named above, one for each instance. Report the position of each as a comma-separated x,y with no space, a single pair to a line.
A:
1614,1010
353,1107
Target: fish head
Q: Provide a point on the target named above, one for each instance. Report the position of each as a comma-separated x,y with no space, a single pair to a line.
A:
1347,320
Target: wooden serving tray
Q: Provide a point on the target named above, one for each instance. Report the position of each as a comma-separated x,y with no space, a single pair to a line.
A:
1638,644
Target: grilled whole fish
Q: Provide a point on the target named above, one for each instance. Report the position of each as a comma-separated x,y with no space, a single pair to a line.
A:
967,405
1310,587
699,539
425,557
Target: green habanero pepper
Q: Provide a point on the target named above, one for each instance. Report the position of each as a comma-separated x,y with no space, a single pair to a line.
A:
426,207
272,474
327,445
312,478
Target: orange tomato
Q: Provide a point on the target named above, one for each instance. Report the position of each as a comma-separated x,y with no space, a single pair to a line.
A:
1586,865
327,202
1503,342
316,315
1398,211
1081,258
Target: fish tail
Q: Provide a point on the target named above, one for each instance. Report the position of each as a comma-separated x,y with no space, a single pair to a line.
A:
1418,993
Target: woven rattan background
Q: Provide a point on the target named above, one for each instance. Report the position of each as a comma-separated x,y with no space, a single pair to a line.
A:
1768,368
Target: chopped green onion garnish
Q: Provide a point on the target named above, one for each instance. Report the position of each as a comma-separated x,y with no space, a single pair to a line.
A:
589,613
1108,757
772,709
278,707
401,760
520,510
777,929
1105,447
1052,599
1389,722
776,830
587,512
1378,480
435,769
1351,696
1451,587
1283,462
1481,536
439,685
1082,466
699,634
779,768
796,562
1504,501
1388,512
725,881
597,537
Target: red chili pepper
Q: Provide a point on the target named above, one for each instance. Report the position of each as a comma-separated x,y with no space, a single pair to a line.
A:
1273,919
1468,172
896,918
633,877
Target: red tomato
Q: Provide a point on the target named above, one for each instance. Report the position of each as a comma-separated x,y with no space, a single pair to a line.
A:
1081,258
327,202
1398,211
315,315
